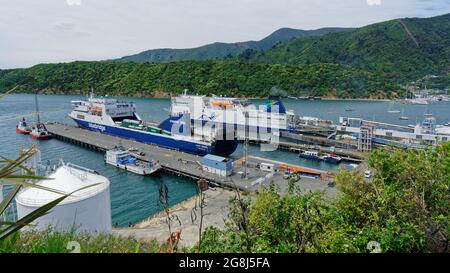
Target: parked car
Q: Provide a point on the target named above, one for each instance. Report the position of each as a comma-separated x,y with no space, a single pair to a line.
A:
368,174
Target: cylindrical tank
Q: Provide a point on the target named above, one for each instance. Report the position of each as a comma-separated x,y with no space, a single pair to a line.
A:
86,210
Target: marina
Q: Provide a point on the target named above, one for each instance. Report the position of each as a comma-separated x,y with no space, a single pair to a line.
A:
315,133
175,162
195,127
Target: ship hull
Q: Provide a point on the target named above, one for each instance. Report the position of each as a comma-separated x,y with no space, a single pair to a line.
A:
222,148
310,157
332,160
133,169
40,137
22,131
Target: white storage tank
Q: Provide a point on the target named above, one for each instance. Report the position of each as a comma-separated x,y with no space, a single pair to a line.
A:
88,210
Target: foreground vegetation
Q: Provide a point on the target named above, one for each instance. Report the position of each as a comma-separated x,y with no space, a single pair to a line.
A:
51,241
228,78
403,208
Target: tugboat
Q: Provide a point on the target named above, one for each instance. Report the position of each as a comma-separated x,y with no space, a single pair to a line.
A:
309,155
122,159
39,131
23,127
332,158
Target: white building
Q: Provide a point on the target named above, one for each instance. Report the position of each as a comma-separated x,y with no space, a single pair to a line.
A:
217,165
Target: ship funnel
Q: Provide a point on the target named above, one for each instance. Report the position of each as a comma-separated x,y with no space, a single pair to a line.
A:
275,105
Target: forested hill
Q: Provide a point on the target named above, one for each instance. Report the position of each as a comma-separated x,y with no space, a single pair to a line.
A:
224,50
402,49
228,78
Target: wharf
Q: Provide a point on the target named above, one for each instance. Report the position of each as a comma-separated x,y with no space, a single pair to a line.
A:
348,155
183,164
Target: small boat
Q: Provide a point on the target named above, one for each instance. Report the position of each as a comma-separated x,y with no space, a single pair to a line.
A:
391,110
428,114
122,159
39,131
348,109
403,117
309,155
23,127
331,158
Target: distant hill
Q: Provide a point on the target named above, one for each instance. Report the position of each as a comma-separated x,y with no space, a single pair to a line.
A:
224,50
370,62
402,49
228,78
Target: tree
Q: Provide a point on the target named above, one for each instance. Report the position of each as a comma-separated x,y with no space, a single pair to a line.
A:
404,208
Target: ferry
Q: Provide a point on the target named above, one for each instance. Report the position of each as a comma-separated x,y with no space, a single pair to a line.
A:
23,127
310,155
122,159
233,114
119,118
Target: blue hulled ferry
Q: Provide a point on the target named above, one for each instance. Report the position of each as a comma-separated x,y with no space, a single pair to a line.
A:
119,118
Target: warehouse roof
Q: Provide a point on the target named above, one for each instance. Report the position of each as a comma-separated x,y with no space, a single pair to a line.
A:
215,158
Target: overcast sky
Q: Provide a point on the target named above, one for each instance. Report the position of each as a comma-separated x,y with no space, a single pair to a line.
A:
45,31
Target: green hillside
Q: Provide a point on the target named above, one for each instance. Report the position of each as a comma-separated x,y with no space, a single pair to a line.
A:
400,50
223,50
232,78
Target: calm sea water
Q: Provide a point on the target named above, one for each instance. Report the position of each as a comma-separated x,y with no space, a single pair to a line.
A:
133,197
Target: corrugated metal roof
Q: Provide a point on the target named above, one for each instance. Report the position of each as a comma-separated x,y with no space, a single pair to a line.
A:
215,157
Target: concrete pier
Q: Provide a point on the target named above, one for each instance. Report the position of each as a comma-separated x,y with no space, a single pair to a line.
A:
188,165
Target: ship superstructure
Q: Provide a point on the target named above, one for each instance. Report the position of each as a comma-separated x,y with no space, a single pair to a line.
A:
233,112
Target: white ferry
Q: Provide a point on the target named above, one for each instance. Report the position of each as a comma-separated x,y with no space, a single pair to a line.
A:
119,118
233,113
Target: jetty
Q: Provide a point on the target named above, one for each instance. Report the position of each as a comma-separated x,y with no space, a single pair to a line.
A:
189,165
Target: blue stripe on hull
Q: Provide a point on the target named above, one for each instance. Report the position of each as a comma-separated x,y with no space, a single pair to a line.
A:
166,142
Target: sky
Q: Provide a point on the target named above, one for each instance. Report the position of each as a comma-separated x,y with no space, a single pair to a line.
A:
49,31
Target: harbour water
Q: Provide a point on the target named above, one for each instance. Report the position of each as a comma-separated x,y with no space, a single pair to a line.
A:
133,197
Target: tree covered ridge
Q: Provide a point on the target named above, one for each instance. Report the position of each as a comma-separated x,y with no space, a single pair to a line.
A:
404,208
231,78
400,50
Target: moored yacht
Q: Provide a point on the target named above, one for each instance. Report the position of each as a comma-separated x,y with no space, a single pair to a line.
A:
310,155
122,159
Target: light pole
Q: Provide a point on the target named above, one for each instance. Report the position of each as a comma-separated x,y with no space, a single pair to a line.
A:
246,143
